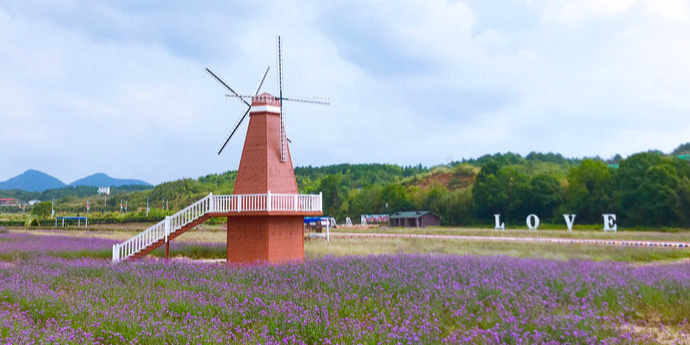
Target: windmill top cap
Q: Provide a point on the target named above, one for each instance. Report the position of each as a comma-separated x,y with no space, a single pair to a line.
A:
265,103
265,99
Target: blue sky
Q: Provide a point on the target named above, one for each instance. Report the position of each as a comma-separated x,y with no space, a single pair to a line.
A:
119,86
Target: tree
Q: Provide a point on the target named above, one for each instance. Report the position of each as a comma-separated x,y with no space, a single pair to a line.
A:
431,198
547,157
489,195
395,198
458,208
648,189
588,191
655,200
308,186
43,209
684,195
545,195
362,201
632,170
332,198
500,189
516,185
682,149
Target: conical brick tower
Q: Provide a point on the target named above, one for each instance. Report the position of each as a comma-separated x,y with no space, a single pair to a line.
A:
260,169
266,212
270,236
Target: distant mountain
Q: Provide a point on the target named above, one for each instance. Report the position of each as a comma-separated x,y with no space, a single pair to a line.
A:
32,181
103,180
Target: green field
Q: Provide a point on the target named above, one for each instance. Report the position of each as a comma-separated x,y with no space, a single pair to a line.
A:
681,235
213,234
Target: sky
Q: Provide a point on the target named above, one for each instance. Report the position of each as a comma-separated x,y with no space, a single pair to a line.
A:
119,87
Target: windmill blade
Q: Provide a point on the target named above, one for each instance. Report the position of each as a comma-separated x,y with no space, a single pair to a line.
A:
271,98
283,136
262,81
237,125
312,100
242,98
227,87
238,96
280,95
280,68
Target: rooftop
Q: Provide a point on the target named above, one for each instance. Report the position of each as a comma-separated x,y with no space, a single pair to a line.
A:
410,214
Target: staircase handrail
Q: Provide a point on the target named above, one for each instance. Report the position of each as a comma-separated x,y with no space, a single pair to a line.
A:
216,204
158,231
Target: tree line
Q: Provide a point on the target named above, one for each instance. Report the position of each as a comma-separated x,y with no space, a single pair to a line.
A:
648,189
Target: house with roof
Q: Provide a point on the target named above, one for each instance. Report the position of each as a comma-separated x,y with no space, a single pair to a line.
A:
7,202
414,219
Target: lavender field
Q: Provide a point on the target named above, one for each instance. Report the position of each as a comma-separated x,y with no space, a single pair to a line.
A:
14,246
389,299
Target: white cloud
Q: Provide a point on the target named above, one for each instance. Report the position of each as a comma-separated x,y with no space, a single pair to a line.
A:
666,9
119,87
572,10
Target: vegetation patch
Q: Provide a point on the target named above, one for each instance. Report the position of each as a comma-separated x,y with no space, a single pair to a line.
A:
430,299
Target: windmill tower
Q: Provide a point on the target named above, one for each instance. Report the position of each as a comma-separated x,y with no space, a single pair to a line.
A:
266,168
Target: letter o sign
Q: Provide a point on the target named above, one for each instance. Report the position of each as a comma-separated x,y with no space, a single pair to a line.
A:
532,222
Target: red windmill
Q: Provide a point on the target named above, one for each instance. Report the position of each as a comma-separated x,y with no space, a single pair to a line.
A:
265,212
266,168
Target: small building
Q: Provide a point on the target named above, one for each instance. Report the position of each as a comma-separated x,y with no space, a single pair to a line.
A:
414,219
7,202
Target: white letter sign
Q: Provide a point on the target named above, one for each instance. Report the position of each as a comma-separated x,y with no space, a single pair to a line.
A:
499,225
569,221
610,222
532,222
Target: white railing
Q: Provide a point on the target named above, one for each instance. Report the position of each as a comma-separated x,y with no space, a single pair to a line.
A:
216,204
258,202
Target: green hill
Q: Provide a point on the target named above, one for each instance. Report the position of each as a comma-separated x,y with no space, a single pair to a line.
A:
647,189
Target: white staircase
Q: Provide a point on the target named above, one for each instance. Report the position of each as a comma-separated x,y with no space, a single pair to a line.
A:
216,205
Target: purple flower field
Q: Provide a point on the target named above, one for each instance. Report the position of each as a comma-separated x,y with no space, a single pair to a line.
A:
23,245
391,299
27,243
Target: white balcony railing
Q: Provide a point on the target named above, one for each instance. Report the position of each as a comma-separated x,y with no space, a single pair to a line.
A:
298,203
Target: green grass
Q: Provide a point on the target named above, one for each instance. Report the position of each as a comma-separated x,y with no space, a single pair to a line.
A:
369,246
210,245
194,251
680,235
345,247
